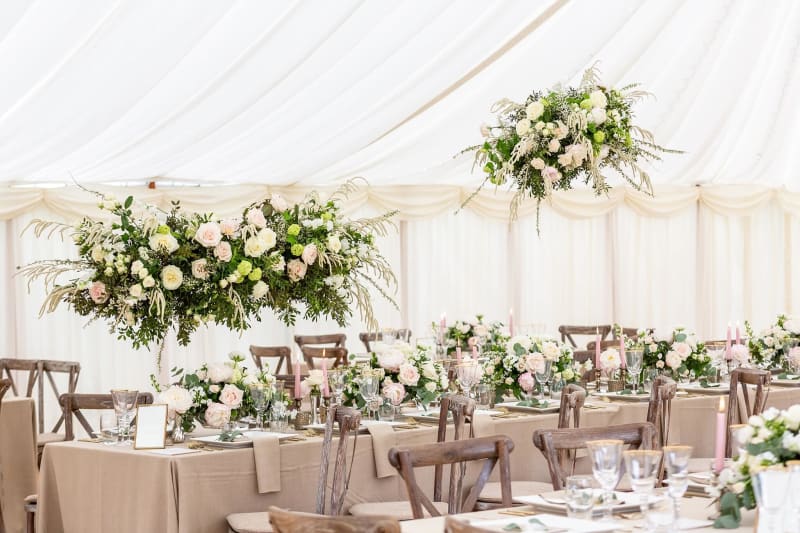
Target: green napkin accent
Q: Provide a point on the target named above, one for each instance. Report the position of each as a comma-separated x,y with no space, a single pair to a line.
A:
533,402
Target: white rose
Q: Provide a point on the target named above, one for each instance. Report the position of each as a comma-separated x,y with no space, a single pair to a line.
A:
136,291
334,244
260,289
216,415
523,127
598,99
314,378
430,386
208,234
268,237
177,398
534,110
673,359
148,282
164,242
537,163
171,277
213,389
231,396
429,371
280,264
598,116
791,417
250,379
98,254
553,146
254,247
136,266
256,218
463,327
219,372
278,203
550,350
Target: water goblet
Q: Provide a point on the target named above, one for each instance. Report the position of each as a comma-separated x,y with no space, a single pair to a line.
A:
468,374
770,487
633,360
676,464
124,405
337,379
261,395
388,335
579,494
606,457
368,388
642,467
542,375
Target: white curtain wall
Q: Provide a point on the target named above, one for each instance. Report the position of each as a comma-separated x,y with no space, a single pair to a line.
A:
677,258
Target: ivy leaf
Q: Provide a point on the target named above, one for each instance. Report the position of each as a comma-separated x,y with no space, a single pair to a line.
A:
726,522
128,202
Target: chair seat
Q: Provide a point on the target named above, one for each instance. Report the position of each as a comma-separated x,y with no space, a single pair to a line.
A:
397,510
46,438
491,491
249,523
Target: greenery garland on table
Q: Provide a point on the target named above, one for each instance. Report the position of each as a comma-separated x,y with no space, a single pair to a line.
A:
150,270
562,134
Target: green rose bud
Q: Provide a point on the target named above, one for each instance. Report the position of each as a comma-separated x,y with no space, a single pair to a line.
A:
297,250
326,217
163,229
294,230
586,104
244,268
599,137
255,274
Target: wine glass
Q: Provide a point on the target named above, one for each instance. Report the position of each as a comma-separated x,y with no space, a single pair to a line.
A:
642,467
469,373
676,463
770,487
542,375
368,388
633,360
337,379
606,457
124,404
261,396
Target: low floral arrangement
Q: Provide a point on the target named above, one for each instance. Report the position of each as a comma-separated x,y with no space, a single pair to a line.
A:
769,349
511,372
213,395
408,371
769,439
465,334
312,383
610,361
680,354
562,134
151,270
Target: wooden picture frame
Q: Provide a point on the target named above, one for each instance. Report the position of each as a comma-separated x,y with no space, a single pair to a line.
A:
151,427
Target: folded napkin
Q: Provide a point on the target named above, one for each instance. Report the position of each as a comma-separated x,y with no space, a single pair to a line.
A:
483,425
383,439
267,453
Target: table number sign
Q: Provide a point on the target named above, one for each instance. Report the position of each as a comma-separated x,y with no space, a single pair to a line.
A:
151,426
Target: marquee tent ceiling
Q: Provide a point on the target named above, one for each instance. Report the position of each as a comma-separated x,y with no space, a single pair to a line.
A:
315,92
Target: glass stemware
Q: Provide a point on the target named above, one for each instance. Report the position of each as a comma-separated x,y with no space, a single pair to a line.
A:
124,405
606,457
770,487
633,360
468,373
337,379
542,375
368,388
642,467
676,463
261,395
279,416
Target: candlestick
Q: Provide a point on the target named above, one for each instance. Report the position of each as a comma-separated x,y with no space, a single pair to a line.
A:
728,352
325,391
511,322
622,363
719,455
474,352
458,354
738,334
597,348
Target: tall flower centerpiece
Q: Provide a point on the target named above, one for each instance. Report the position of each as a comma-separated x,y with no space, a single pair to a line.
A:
770,348
465,334
149,270
563,134
679,354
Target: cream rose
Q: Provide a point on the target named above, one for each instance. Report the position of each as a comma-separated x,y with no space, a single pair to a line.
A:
219,372
208,234
98,254
148,282
260,289
223,252
314,378
268,237
598,99
391,360
609,360
534,362
683,349
598,116
163,242
256,218
278,203
523,127
171,277
136,266
296,269
673,359
136,290
553,146
217,415
229,227
254,247
430,386
334,244
310,254
534,110
231,395
429,371
408,375
199,268
177,399
550,350
97,292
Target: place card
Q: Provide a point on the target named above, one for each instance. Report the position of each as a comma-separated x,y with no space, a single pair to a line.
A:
151,427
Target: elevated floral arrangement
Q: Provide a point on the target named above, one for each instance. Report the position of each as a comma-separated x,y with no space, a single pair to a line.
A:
512,372
212,395
770,348
465,334
563,134
151,270
679,353
769,439
408,372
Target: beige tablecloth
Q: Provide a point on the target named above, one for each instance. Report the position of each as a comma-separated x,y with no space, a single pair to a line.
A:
17,460
88,487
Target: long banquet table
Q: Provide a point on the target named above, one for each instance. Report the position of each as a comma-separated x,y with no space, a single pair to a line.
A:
86,487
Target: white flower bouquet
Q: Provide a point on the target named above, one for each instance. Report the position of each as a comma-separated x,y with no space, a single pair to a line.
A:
680,354
770,348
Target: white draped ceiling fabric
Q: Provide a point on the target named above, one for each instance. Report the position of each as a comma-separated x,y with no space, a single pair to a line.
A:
221,102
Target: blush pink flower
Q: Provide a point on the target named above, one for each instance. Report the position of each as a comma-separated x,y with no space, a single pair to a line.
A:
97,292
408,375
526,381
256,218
223,252
216,415
231,395
208,234
394,392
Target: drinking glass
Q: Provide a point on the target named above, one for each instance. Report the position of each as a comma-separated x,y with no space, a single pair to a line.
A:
633,360
386,411
542,376
108,428
579,493
388,335
606,457
676,464
648,376
368,388
279,420
261,395
337,380
642,467
124,406
483,395
770,487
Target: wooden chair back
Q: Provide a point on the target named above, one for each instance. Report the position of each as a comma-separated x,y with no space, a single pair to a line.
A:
289,522
552,441
348,420
568,331
338,356
492,451
462,411
582,356
38,370
454,525
367,338
282,353
336,339
604,345
628,332
740,379
572,399
5,384
72,404
659,409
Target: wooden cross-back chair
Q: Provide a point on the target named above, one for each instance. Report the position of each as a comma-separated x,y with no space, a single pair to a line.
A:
659,408
572,399
282,353
552,441
38,370
366,339
608,343
493,451
338,356
348,420
740,379
288,522
334,339
72,405
568,331
5,384
628,332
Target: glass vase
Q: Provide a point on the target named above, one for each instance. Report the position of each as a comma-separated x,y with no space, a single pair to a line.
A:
178,435
315,402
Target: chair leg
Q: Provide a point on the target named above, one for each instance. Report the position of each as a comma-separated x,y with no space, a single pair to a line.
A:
30,520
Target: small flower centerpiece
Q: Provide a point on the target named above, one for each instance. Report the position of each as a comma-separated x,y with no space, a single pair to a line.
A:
769,439
563,134
610,362
489,337
770,348
680,354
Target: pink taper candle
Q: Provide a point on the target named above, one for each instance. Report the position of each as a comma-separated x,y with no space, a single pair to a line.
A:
458,354
597,349
297,393
738,334
622,351
719,450
728,352
325,391
474,352
511,322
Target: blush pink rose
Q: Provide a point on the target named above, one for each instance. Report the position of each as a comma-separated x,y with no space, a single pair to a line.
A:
231,396
408,375
97,292
208,234
394,392
534,362
256,218
296,270
217,415
683,349
229,227
223,252
526,381
310,254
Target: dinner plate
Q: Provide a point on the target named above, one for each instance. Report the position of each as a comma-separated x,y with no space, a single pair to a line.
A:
362,428
555,502
641,397
790,380
432,415
552,407
546,522
242,441
696,388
